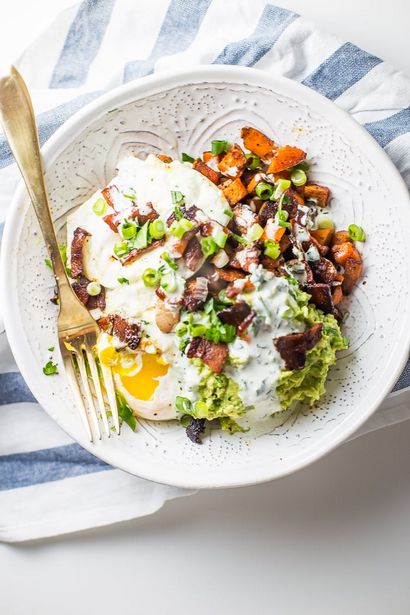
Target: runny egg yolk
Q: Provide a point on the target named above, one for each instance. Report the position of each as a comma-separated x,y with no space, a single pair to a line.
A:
142,385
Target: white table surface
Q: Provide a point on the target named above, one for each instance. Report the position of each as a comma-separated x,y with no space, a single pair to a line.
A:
332,539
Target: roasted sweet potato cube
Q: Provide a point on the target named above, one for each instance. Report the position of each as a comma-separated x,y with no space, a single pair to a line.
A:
234,162
203,168
319,194
285,157
340,237
337,295
164,158
352,274
323,235
235,191
257,143
343,251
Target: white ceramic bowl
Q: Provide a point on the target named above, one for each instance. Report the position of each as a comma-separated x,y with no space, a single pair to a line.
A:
184,112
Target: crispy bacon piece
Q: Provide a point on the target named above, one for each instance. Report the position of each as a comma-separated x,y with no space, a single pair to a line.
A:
144,213
195,429
319,194
127,331
91,302
136,252
213,355
108,194
187,212
322,298
230,275
293,347
113,221
245,258
236,314
267,212
77,244
243,218
195,293
203,168
257,143
285,157
353,270
324,270
234,162
193,256
105,324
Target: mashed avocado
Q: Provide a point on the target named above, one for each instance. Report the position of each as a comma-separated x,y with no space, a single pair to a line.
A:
308,383
219,397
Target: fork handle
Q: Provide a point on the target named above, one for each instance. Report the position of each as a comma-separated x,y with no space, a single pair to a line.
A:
19,124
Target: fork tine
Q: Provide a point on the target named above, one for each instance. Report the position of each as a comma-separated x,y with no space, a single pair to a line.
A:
79,402
87,391
98,391
112,400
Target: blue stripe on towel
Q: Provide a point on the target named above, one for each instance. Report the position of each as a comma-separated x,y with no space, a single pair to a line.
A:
13,389
341,70
404,380
50,464
83,41
390,128
247,51
48,122
181,23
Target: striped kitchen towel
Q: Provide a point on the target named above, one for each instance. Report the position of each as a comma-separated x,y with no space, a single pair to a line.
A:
48,484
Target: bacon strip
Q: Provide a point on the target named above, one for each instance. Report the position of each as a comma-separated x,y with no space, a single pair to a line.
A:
213,355
144,213
322,298
195,293
245,258
128,332
235,314
293,347
193,256
77,245
91,302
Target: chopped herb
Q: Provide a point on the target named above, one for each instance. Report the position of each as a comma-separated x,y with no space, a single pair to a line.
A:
356,233
187,158
240,239
123,280
48,262
229,212
177,197
169,261
124,411
51,349
178,213
182,404
219,147
208,246
50,368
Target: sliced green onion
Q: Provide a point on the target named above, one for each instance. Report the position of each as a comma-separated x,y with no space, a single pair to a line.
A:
168,282
123,280
254,232
356,233
282,217
197,330
182,404
229,212
93,289
208,246
298,177
157,229
51,349
303,166
141,239
280,187
100,207
240,239
219,236
187,158
219,147
264,191
150,277
47,261
120,249
169,261
253,161
179,227
50,368
324,221
185,420
201,409
272,249
177,197
181,330
128,230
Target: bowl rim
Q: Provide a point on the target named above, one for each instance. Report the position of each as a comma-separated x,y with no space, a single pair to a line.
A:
150,85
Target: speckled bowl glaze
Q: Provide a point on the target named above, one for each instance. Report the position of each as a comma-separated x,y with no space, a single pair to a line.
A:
184,112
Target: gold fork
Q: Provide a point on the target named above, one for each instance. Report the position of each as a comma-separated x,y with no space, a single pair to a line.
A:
77,330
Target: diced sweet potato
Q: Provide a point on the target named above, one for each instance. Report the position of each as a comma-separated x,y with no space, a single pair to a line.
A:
337,295
257,143
235,191
164,158
323,235
341,252
272,231
256,179
206,156
285,157
203,168
340,237
234,162
319,194
352,274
